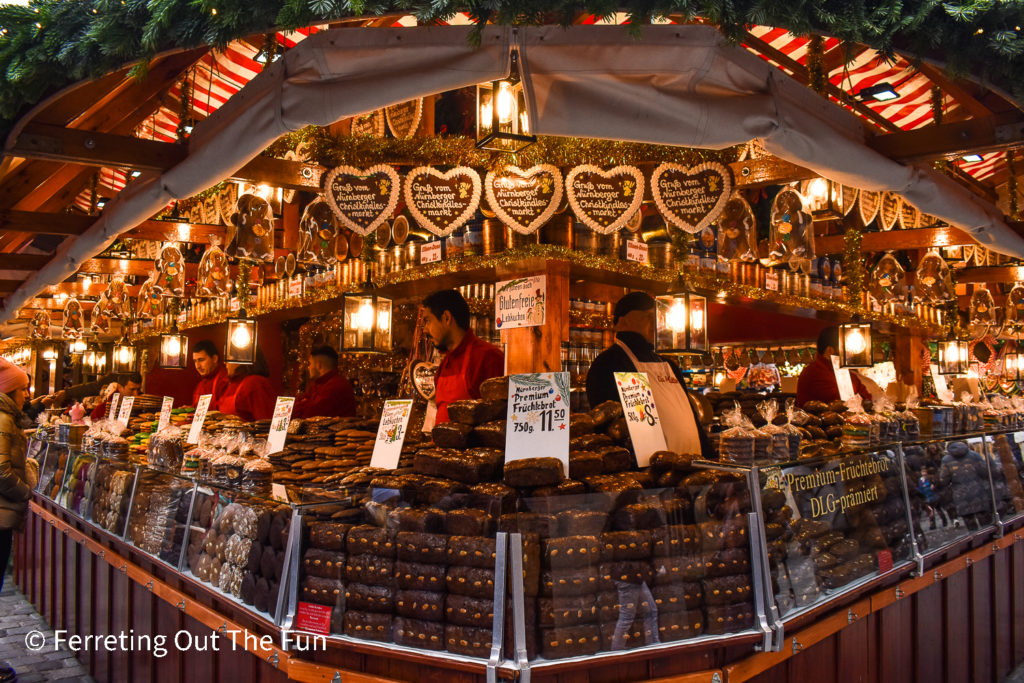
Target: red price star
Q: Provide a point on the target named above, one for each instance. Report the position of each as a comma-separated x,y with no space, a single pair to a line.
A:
561,426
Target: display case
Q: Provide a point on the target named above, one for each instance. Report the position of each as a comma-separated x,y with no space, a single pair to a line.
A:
158,523
1003,451
52,467
833,523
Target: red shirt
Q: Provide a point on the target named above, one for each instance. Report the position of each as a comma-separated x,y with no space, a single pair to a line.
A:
99,411
215,384
818,383
463,369
250,398
329,395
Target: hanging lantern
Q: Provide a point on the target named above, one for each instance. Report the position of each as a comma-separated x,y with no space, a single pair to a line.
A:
89,361
77,347
366,323
502,120
822,198
1012,364
241,344
953,355
173,350
49,353
855,345
124,356
682,323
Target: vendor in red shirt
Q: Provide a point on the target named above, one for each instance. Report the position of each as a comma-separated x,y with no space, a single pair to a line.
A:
213,376
249,394
328,393
468,360
818,380
130,388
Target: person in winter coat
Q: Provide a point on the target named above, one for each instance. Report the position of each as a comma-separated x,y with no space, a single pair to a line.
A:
15,490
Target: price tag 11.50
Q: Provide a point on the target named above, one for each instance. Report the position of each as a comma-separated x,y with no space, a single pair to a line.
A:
642,420
538,417
394,420
125,412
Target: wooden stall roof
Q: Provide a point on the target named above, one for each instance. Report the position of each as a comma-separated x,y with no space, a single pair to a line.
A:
81,147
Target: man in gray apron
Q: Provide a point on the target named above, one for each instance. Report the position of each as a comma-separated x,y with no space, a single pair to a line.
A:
633,351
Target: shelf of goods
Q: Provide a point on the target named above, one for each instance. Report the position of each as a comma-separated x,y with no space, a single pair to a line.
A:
447,565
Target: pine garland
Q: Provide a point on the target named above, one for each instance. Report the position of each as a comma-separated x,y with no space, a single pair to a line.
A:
52,43
937,98
1011,184
817,78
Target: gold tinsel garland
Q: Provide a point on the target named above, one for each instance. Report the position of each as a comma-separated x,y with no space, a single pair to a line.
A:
334,150
1011,185
937,98
854,272
816,76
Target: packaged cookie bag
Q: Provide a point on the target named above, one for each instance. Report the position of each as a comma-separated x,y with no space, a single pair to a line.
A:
736,443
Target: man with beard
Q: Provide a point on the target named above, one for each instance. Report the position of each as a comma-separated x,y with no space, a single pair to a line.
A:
467,361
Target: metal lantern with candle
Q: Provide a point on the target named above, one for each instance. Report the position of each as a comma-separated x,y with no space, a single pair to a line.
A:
822,198
1013,363
77,346
855,345
953,357
366,323
502,121
124,356
241,344
682,323
173,349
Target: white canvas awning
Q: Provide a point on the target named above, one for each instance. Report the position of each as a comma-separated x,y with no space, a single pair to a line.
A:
674,85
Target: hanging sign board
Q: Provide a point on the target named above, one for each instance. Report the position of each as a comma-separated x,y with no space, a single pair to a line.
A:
165,412
605,200
442,202
645,430
394,420
198,418
371,123
430,252
520,302
404,118
771,280
125,412
279,424
538,417
636,251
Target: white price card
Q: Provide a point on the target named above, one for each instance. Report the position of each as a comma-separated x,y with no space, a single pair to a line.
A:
843,380
771,280
233,304
645,430
520,302
279,423
125,412
114,401
198,418
941,389
538,417
165,412
279,493
394,420
636,251
430,252
295,286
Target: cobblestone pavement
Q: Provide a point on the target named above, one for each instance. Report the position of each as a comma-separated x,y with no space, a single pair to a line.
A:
17,618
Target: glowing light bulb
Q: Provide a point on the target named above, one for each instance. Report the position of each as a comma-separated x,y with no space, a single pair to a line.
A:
675,318
240,337
363,318
855,342
173,345
719,378
383,320
86,282
506,102
697,319
817,189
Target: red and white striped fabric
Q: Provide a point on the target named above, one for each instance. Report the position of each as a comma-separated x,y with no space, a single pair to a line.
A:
110,182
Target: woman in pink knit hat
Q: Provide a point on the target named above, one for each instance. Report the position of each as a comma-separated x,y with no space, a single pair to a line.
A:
14,487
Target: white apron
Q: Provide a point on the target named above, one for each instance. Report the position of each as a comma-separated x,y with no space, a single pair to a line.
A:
672,404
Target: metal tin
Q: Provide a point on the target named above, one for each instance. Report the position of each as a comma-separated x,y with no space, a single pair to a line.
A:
412,253
660,255
559,231
493,237
515,239
607,245
472,241
385,261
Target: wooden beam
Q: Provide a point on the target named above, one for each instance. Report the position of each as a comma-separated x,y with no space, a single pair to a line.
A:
950,140
954,89
39,223
991,274
917,238
92,148
26,262
10,285
91,290
115,266
177,231
841,55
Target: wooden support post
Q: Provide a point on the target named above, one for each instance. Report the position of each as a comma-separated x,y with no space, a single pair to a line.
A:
290,223
907,351
539,349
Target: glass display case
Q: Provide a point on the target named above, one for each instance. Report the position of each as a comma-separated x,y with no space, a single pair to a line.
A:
51,469
833,523
158,523
1003,451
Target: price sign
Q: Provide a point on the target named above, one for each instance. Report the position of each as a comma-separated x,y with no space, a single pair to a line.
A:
394,420
430,252
636,251
279,423
884,561
313,618
538,417
182,317
520,302
112,404
875,306
771,280
279,492
165,412
125,412
843,380
941,389
642,420
234,305
198,418
294,287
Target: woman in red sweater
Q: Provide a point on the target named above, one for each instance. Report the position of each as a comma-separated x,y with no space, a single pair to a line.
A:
249,394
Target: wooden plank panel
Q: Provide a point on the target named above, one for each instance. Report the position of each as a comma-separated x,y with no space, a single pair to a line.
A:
86,616
816,663
1017,565
48,582
60,579
980,577
1002,615
895,659
956,614
73,587
199,660
101,617
167,620
141,609
120,622
856,658
928,635
233,661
